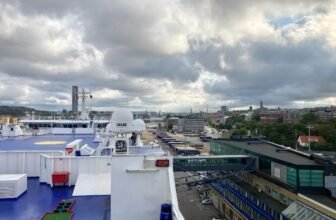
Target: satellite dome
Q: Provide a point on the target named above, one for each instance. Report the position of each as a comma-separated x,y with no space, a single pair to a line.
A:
108,128
122,116
139,125
121,121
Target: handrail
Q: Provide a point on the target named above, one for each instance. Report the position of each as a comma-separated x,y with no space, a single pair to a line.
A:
177,215
175,208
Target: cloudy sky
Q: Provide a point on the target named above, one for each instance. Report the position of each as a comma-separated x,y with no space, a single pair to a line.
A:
169,54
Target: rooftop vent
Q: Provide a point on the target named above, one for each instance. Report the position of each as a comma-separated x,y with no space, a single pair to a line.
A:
282,149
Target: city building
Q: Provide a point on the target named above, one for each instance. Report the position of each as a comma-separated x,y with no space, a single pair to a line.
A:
270,116
261,106
294,115
75,98
304,140
287,184
214,116
224,109
193,123
291,116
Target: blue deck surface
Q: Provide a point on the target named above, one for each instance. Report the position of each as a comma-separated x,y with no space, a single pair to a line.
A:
28,143
41,198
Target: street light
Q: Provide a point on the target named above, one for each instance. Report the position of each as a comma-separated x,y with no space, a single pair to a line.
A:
309,127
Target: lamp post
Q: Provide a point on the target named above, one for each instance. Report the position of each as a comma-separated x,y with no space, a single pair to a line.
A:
309,127
296,139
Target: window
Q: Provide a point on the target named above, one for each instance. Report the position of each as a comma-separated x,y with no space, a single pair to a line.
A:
282,198
274,194
291,176
311,178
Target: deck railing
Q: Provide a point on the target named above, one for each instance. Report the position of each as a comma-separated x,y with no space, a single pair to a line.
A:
28,162
73,165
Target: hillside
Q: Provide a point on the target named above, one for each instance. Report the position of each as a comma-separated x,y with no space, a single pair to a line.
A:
18,111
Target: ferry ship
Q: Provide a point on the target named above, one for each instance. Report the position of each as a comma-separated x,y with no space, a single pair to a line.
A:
81,124
68,175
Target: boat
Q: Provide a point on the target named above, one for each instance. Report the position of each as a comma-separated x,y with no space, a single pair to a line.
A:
82,123
71,176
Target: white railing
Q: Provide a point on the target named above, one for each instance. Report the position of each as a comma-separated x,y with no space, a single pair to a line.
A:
73,165
19,162
177,215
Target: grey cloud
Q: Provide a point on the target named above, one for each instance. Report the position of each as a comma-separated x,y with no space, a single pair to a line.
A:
136,40
176,68
278,74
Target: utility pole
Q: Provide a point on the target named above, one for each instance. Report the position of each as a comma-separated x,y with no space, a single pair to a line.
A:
185,143
295,139
309,127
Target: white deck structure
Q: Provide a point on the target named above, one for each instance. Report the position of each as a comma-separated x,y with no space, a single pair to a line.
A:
93,184
121,167
142,186
12,185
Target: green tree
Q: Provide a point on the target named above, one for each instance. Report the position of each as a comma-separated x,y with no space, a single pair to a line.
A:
328,132
256,116
309,117
241,131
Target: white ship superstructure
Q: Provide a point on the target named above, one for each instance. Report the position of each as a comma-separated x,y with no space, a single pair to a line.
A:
81,124
135,179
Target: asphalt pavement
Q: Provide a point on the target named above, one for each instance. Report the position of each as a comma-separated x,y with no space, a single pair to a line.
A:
190,202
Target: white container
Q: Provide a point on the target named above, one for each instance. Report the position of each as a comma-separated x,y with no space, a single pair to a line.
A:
12,185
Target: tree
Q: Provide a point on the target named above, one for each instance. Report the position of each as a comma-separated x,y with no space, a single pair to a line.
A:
256,116
241,131
328,132
309,117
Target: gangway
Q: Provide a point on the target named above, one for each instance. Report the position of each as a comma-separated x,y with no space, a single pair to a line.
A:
214,163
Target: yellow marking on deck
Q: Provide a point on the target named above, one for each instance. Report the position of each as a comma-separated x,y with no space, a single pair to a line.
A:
49,142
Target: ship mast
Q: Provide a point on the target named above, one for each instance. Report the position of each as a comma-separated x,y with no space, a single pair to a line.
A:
84,95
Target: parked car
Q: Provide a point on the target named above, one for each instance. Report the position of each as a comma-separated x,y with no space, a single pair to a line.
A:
206,202
204,197
201,188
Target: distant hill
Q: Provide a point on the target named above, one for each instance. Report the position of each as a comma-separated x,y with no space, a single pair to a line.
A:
18,111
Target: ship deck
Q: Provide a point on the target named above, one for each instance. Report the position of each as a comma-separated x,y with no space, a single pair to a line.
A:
42,143
41,198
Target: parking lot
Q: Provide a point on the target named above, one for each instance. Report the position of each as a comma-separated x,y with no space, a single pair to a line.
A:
191,140
189,197
190,202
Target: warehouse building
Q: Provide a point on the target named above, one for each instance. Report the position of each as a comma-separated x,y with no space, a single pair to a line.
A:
193,124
